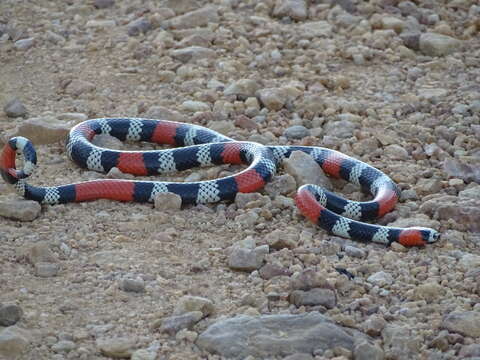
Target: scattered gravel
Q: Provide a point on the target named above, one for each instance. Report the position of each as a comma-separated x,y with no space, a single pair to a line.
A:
392,83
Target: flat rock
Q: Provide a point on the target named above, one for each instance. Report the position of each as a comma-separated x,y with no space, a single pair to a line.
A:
380,278
164,113
242,259
15,108
318,296
245,87
78,87
10,314
315,29
173,324
139,26
195,18
274,335
296,132
167,201
117,348
46,269
434,44
103,4
13,341
38,253
466,323
296,9
22,210
42,130
305,170
273,98
193,53
190,303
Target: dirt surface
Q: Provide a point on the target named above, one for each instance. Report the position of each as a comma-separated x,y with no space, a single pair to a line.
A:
364,78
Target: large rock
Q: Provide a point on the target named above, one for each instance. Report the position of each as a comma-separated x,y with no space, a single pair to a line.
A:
15,108
193,53
275,335
433,44
245,87
117,348
400,343
296,9
305,170
13,341
466,323
315,29
22,210
42,130
192,19
273,98
10,314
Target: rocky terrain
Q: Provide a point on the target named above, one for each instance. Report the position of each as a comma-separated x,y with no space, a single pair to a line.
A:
393,83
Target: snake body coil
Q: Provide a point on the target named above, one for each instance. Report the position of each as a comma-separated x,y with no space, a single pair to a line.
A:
199,146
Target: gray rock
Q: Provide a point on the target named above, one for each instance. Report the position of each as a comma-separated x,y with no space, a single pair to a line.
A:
279,239
10,314
195,106
24,44
138,26
281,185
117,348
305,170
365,350
269,271
315,29
466,323
463,170
380,278
296,132
132,285
274,335
167,201
296,9
244,87
78,87
107,141
355,252
193,53
172,325
41,130
13,341
273,98
434,44
38,252
308,279
103,4
347,5
323,297
470,351
341,129
46,269
15,108
243,259
164,113
299,356
399,343
23,210
100,24
192,19
64,346
190,303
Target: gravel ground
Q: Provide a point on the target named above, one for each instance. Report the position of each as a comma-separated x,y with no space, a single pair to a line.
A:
393,83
